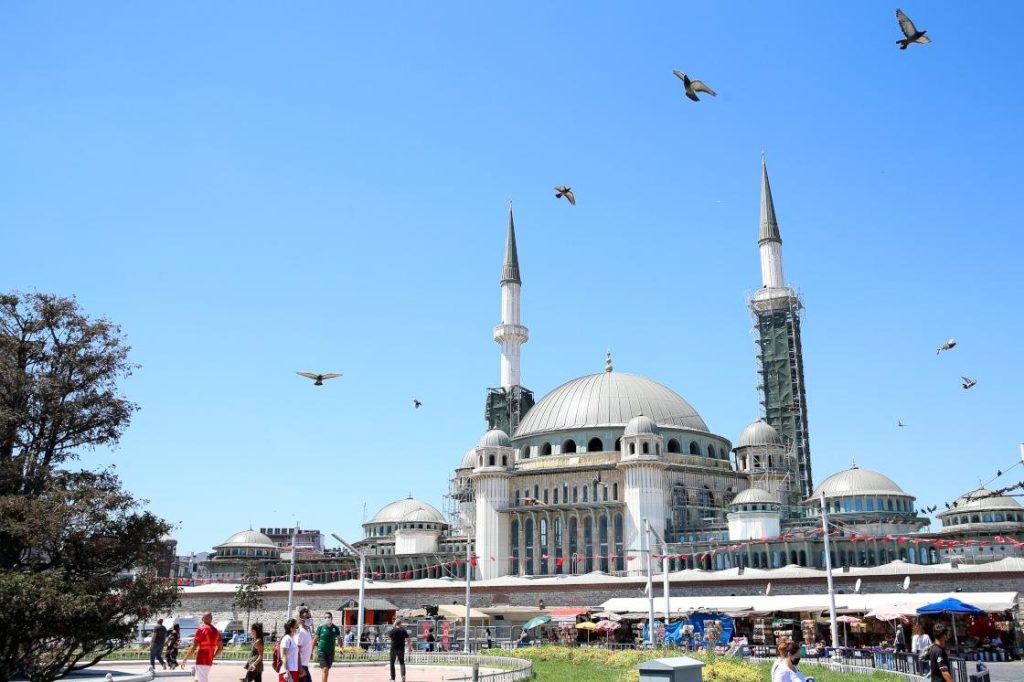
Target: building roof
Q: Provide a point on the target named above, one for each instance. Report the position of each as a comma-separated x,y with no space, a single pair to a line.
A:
982,499
755,496
495,438
759,433
469,459
856,481
400,509
641,425
510,270
769,225
248,538
608,399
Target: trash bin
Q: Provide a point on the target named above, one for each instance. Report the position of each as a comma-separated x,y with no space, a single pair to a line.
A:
678,669
981,676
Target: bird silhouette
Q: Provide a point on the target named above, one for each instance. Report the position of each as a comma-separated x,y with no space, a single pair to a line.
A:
998,473
947,505
416,403
531,501
318,379
946,346
692,87
900,424
910,31
563,191
968,382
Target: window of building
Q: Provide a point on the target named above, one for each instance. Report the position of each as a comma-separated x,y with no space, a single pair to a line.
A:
569,446
711,451
647,448
595,445
545,495
618,445
588,545
543,549
858,504
584,493
619,558
490,460
673,445
565,492
558,544
602,535
694,448
615,491
890,503
545,449
554,494
632,448
536,492
871,504
847,506
605,495
575,494
524,452
528,532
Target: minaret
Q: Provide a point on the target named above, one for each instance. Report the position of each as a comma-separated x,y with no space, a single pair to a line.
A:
776,309
509,403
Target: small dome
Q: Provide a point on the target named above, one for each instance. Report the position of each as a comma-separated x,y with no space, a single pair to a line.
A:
982,499
755,496
469,459
641,426
248,538
399,510
495,438
855,481
419,516
759,433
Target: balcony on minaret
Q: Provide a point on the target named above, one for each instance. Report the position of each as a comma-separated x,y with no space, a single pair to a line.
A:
511,332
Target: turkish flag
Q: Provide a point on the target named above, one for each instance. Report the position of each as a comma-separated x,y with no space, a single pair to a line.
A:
472,560
630,558
559,561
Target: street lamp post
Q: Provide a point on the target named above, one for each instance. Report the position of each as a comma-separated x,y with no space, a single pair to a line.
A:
362,585
828,575
650,585
664,572
291,572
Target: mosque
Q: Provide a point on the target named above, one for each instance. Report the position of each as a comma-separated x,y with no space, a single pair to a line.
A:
610,468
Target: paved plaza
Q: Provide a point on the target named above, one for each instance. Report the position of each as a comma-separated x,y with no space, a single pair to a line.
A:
231,671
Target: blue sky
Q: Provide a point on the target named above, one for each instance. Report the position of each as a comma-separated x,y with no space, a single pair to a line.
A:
252,189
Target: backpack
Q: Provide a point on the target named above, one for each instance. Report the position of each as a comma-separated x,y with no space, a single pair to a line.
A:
277,662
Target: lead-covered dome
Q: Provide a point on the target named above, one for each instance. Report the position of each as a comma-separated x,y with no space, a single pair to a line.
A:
248,538
495,438
983,499
759,433
641,425
399,510
608,399
755,496
856,481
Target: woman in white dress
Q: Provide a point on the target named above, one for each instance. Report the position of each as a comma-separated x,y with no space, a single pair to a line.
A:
787,671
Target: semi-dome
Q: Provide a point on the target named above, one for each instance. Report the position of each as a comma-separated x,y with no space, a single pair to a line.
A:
856,481
982,499
608,399
469,459
641,425
759,433
248,538
495,438
420,516
397,511
755,496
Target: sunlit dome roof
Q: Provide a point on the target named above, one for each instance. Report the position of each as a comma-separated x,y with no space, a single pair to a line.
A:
641,425
495,438
399,510
469,459
755,496
982,499
421,516
608,399
759,433
248,538
856,481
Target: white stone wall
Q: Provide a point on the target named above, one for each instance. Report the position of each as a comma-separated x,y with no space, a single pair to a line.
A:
771,265
645,498
416,541
753,525
492,528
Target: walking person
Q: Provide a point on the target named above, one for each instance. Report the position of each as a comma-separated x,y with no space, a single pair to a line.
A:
490,640
780,660
787,671
206,645
938,658
400,643
289,647
171,646
254,665
921,645
156,644
900,642
305,640
325,641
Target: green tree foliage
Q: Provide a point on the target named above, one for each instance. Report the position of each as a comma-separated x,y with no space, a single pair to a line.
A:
76,550
247,596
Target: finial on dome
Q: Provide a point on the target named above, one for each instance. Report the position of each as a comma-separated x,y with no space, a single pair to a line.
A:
854,465
410,495
608,361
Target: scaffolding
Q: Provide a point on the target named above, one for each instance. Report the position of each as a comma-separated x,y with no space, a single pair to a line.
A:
774,468
460,503
780,370
506,407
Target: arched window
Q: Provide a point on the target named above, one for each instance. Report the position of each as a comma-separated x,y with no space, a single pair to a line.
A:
602,536
595,445
615,492
585,493
545,495
632,448
588,544
504,460
619,558
528,533
545,449
647,448
694,448
618,445
573,546
673,445
987,518
524,453
554,494
711,451
568,446
490,460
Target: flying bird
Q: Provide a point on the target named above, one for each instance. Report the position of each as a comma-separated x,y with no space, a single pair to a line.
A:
998,473
900,424
692,87
946,346
318,379
417,404
968,382
563,191
910,31
531,501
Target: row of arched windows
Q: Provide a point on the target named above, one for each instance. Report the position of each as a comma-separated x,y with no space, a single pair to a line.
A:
577,545
595,492
986,517
597,445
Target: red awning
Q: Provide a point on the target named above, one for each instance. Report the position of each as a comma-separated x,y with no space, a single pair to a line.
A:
566,611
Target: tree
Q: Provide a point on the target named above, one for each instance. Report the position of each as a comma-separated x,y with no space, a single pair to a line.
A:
247,596
76,550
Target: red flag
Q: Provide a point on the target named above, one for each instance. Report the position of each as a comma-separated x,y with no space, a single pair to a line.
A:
630,558
559,561
472,560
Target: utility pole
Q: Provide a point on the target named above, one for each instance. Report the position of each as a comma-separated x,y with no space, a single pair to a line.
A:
291,572
828,574
362,585
469,576
650,585
664,573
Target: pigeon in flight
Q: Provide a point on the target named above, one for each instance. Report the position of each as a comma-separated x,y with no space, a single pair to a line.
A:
417,404
318,379
946,346
968,382
999,473
531,501
910,31
900,424
563,191
692,87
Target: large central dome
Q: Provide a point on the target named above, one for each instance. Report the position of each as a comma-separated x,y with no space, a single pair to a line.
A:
608,399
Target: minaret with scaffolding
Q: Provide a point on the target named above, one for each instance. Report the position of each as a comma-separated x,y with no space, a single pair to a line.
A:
508,404
776,309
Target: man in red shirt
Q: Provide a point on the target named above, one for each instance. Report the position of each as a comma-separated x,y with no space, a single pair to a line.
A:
207,644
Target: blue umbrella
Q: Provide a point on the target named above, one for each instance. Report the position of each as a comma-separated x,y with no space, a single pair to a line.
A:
534,622
951,606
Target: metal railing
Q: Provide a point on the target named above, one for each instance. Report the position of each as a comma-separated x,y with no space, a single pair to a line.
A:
513,668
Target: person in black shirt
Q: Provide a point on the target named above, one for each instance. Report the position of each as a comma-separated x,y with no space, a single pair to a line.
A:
400,642
938,659
900,643
156,644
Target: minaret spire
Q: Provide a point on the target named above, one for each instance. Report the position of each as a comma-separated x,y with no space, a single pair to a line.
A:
510,334
510,271
769,240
